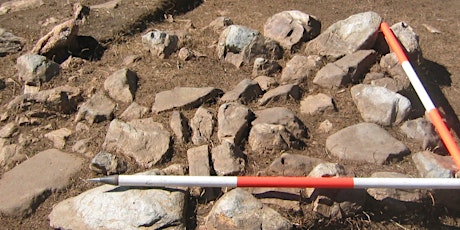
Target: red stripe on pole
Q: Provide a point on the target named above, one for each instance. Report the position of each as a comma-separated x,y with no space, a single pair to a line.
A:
445,135
393,42
296,182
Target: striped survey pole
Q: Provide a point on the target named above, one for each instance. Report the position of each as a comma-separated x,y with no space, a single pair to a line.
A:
433,113
279,182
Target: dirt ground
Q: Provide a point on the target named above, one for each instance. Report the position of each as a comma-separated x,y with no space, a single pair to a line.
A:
119,37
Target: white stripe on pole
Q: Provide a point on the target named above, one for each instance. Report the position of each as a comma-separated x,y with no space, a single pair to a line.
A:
407,183
177,181
418,86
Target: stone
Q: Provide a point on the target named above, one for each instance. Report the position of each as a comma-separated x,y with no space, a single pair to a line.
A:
264,66
388,83
380,105
372,76
184,98
270,138
357,32
314,104
133,209
82,146
365,142
11,155
107,164
19,5
33,68
202,125
10,43
27,185
239,209
145,140
331,76
340,204
244,92
8,130
220,23
179,125
228,159
292,165
409,40
324,170
423,131
185,54
198,161
284,92
59,137
282,116
433,165
56,44
357,64
325,126
160,43
266,83
394,199
97,109
241,45
63,99
122,85
233,120
134,111
300,68
131,59
106,5
292,28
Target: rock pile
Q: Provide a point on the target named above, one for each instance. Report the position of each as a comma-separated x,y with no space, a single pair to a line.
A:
242,119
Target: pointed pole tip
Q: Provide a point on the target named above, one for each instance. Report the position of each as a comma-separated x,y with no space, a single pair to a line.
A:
97,180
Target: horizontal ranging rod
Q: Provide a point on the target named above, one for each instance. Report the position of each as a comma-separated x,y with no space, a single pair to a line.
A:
286,182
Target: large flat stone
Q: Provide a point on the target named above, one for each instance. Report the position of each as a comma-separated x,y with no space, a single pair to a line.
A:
26,186
184,98
365,142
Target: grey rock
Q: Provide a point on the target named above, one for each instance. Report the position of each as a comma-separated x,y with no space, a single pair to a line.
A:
33,68
421,130
233,120
228,159
198,161
133,209
146,141
282,116
40,176
433,165
8,130
185,54
244,92
325,126
394,199
202,125
318,103
409,40
184,98
82,146
380,105
107,164
324,170
331,76
241,45
292,165
63,99
357,64
56,44
97,109
340,204
300,68
160,43
388,83
266,83
284,92
134,111
239,209
264,66
365,142
59,137
122,85
292,28
10,43
372,76
357,32
270,138
106,5
179,125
